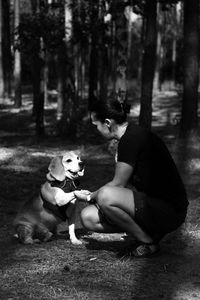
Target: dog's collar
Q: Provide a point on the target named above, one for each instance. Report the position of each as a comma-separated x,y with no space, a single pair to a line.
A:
73,183
65,183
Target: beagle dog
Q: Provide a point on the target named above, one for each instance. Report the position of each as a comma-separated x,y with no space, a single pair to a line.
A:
39,217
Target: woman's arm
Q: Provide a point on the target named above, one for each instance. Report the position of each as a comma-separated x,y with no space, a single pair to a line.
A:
123,172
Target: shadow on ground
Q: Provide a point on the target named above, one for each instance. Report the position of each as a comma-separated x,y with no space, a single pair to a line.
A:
94,270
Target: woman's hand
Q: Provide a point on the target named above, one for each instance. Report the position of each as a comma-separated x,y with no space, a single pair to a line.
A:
82,194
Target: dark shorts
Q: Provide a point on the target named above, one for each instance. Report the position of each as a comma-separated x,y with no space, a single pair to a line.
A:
156,216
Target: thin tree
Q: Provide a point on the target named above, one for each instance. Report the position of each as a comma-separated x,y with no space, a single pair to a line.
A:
17,58
148,62
157,79
77,52
103,54
60,80
189,121
121,48
1,55
6,48
39,109
174,43
94,53
70,88
68,123
37,60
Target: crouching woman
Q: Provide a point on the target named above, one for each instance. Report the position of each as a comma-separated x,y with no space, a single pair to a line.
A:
146,197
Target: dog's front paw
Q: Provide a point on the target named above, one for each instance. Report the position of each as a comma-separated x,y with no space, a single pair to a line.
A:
76,242
82,194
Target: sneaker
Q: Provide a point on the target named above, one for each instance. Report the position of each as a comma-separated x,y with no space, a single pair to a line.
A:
145,250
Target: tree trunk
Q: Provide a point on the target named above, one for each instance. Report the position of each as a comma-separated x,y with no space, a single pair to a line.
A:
77,68
36,64
103,72
121,48
112,56
189,121
46,77
83,69
157,80
6,48
103,56
94,55
17,58
35,80
174,46
77,53
129,38
60,81
68,124
1,55
39,108
35,6
148,63
38,79
70,87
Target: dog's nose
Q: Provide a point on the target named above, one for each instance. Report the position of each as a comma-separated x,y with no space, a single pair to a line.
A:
81,164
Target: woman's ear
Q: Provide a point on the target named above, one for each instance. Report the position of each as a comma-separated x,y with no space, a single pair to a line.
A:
108,123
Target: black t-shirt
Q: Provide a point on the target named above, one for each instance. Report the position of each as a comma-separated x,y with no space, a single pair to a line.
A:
154,171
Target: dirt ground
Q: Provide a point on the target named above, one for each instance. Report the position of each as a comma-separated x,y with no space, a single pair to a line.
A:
94,270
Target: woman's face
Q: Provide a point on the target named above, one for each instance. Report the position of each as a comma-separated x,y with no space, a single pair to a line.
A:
103,128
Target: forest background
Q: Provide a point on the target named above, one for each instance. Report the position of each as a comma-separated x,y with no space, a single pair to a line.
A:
76,51
56,57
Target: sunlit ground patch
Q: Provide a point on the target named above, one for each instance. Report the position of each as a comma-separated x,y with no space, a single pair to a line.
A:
6,153
187,290
194,164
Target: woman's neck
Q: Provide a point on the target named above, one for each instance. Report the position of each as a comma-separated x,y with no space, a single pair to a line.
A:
120,130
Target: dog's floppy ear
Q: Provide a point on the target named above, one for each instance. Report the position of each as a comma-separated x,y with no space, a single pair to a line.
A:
56,168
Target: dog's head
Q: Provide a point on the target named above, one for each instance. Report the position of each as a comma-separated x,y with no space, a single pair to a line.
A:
67,166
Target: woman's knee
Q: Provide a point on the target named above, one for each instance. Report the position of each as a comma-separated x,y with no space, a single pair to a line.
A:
87,219
104,197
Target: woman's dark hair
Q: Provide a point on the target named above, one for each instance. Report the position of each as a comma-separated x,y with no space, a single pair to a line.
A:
112,108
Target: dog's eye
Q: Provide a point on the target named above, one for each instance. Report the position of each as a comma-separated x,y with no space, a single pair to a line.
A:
68,160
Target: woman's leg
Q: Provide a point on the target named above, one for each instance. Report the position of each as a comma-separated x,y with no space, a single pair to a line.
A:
92,220
118,206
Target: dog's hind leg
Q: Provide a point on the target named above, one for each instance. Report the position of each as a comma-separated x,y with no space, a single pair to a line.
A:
43,233
25,233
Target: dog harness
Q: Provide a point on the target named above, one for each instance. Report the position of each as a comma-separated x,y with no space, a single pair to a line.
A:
67,186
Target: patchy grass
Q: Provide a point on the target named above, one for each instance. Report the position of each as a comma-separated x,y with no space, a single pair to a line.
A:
94,270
